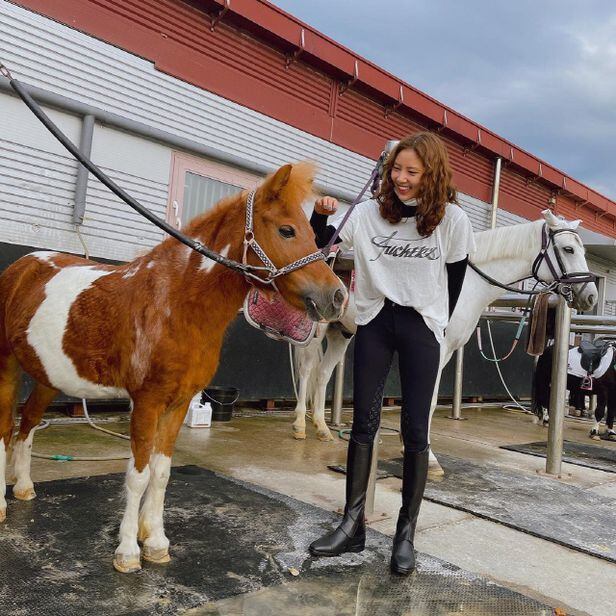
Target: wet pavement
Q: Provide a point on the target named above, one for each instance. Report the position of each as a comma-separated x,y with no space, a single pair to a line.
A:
258,449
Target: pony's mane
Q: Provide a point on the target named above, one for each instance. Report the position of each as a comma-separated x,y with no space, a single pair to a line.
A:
507,242
299,187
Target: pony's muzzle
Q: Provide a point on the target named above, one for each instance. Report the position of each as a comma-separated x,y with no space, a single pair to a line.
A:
327,304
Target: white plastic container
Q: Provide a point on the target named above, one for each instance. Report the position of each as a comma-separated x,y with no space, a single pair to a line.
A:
199,415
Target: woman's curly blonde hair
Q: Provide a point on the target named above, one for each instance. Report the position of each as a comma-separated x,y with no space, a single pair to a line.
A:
436,188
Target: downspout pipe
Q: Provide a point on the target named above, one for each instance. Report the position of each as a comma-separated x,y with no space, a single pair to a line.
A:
113,120
81,184
496,191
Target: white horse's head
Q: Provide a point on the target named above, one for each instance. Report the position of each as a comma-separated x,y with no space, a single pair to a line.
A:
567,253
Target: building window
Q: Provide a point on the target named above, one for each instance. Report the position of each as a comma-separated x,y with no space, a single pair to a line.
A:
197,184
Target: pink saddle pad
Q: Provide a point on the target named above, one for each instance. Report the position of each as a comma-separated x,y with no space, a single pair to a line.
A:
277,318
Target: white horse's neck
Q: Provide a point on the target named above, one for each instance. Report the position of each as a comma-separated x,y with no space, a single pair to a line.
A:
505,254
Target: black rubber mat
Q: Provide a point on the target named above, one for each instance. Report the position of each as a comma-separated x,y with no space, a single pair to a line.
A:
234,549
592,456
546,508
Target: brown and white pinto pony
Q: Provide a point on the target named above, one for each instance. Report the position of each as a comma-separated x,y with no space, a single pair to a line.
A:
151,330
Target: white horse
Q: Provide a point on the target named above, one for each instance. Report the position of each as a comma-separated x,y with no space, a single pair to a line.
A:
505,254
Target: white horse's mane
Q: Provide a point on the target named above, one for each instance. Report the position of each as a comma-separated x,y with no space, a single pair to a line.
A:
508,242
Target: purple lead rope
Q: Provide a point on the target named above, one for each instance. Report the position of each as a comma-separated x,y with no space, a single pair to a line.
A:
331,242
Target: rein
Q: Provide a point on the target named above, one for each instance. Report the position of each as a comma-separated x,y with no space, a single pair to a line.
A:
562,283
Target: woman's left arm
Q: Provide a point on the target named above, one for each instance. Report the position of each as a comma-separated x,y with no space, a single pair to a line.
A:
461,244
455,279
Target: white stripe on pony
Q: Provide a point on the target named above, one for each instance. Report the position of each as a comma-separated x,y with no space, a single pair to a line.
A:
47,327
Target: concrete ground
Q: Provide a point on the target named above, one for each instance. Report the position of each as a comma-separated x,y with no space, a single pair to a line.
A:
259,448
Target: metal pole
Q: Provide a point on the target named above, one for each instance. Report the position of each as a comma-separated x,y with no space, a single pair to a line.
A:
558,388
495,191
456,408
371,489
336,419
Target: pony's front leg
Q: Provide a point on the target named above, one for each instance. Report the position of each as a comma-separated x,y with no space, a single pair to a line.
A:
299,425
127,558
151,528
337,345
305,359
435,470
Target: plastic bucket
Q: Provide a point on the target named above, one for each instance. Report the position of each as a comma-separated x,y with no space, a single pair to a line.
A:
222,400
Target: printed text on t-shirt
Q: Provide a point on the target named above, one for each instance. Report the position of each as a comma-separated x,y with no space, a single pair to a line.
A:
402,248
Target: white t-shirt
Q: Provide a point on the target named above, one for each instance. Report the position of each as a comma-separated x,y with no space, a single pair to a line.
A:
394,261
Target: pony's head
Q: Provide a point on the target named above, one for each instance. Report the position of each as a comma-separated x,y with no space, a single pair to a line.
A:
567,253
285,235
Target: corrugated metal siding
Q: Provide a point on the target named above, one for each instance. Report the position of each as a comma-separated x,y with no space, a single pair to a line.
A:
201,193
57,58
250,68
477,211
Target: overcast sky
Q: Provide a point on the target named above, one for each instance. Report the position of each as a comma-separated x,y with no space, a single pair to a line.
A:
540,73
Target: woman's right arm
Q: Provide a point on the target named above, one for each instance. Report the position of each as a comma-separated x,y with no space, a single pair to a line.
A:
323,207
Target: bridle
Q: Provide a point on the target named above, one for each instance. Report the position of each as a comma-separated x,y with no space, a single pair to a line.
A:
562,283
565,280
271,271
325,253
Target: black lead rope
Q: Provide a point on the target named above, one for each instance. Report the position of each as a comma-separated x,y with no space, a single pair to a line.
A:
112,186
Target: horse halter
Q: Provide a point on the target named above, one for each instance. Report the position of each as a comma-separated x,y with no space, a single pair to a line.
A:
565,280
272,272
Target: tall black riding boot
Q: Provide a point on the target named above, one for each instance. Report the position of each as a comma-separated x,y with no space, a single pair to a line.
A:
414,477
350,536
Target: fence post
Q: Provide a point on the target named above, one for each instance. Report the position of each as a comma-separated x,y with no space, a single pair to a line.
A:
558,388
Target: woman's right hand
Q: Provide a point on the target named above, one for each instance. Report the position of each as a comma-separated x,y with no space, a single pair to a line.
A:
326,205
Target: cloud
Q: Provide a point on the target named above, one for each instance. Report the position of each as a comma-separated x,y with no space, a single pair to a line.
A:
540,74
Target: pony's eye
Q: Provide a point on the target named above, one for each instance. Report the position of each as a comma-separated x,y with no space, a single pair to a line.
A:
287,231
569,249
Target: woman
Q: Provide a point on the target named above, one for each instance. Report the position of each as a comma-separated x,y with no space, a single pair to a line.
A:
411,246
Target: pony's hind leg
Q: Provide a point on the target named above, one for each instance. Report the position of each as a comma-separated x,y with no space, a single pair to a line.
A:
32,413
9,382
151,529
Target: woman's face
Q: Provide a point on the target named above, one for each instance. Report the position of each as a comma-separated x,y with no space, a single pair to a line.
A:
406,174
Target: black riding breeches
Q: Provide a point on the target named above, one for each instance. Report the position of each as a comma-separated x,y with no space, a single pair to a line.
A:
401,329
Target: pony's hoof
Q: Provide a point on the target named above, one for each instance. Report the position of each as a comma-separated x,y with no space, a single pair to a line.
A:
156,555
435,473
126,564
325,436
24,495
3,514
299,436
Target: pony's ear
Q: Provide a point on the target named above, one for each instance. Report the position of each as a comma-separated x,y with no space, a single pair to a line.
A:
276,182
550,218
558,222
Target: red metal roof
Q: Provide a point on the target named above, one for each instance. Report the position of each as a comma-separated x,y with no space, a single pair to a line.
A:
265,59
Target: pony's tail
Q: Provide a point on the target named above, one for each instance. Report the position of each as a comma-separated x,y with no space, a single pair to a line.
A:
10,373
